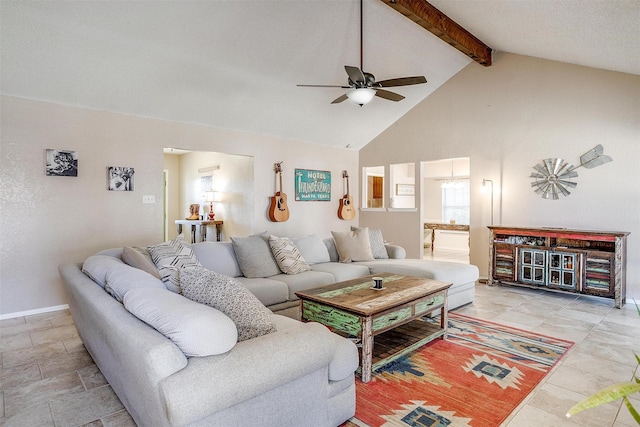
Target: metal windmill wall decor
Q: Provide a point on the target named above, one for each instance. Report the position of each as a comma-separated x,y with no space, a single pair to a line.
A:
553,176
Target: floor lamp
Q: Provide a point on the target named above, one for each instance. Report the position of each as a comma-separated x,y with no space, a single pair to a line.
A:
484,184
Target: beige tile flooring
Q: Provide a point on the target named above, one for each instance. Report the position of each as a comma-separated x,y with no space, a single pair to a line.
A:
48,378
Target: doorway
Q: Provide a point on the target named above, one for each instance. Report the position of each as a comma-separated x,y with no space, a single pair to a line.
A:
445,209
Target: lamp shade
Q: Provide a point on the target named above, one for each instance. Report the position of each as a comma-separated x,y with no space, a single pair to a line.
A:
361,96
212,196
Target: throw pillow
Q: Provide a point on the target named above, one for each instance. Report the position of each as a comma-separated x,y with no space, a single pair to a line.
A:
378,249
197,329
171,257
228,295
312,249
254,256
353,245
141,259
287,255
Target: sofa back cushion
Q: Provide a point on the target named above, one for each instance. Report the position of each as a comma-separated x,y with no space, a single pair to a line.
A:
122,278
140,258
312,249
218,256
96,267
197,329
254,256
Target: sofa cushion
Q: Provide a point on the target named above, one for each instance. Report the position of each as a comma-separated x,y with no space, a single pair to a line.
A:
171,257
378,250
451,272
228,295
197,329
122,278
287,255
254,256
140,258
96,267
267,290
305,281
341,271
312,249
218,256
353,245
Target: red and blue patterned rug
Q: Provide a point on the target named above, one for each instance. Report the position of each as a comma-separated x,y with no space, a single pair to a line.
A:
476,378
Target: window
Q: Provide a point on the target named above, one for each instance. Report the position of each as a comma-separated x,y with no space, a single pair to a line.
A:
373,187
455,201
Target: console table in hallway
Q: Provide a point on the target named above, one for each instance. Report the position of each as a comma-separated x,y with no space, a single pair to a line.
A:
443,226
202,223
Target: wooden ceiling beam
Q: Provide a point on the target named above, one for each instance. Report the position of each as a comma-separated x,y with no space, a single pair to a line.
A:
436,22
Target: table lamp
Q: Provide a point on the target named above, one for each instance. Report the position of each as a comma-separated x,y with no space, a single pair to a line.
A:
211,196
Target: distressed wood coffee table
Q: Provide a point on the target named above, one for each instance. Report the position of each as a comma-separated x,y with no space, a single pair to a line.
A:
354,308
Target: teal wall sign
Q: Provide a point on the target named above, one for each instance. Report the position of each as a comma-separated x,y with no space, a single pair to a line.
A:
313,185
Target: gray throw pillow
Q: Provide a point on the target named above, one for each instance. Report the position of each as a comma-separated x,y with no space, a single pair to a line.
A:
254,256
228,295
376,240
140,258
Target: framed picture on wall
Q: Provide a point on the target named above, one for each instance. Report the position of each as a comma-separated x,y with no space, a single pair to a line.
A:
120,178
405,189
312,185
61,163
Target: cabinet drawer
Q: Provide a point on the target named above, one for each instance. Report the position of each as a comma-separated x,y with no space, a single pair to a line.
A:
390,319
427,305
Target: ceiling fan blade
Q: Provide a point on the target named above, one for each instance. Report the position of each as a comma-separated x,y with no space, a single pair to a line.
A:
391,96
355,74
339,99
343,87
402,81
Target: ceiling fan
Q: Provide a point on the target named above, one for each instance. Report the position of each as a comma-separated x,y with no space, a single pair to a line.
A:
364,86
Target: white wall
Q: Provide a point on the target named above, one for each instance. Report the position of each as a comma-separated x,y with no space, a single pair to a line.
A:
508,117
46,221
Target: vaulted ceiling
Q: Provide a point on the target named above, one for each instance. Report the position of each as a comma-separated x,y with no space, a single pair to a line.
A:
236,64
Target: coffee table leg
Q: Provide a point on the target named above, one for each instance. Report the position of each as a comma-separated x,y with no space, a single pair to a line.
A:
367,350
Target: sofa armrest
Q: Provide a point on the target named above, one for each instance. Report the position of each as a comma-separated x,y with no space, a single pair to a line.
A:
395,252
251,368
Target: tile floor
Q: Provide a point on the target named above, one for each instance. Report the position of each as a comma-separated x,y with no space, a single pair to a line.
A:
48,378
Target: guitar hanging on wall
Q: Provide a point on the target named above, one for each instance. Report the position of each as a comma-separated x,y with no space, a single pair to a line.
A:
278,210
346,211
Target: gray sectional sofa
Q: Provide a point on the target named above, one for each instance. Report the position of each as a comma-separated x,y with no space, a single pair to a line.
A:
301,374
277,292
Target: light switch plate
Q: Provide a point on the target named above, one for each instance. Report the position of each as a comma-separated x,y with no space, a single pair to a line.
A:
148,199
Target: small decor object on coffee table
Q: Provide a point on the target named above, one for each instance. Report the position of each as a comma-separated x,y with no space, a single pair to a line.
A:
392,314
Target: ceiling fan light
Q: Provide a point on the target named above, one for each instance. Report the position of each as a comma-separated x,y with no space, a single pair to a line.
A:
362,95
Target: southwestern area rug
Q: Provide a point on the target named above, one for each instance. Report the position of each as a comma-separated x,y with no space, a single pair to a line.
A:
475,378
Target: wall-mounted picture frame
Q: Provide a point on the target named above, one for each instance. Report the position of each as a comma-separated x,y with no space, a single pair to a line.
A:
120,178
405,189
61,162
206,183
312,185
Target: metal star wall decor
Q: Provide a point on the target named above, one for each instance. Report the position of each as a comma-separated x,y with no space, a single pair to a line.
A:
553,176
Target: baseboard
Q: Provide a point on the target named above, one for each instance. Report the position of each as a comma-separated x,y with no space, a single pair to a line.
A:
32,312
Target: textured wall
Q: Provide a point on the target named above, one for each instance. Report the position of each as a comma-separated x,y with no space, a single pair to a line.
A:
45,221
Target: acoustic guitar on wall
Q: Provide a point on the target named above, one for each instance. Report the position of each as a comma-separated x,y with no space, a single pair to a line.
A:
346,210
278,209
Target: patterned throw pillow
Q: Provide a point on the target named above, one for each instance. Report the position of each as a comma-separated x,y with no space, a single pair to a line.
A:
171,257
228,295
287,255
